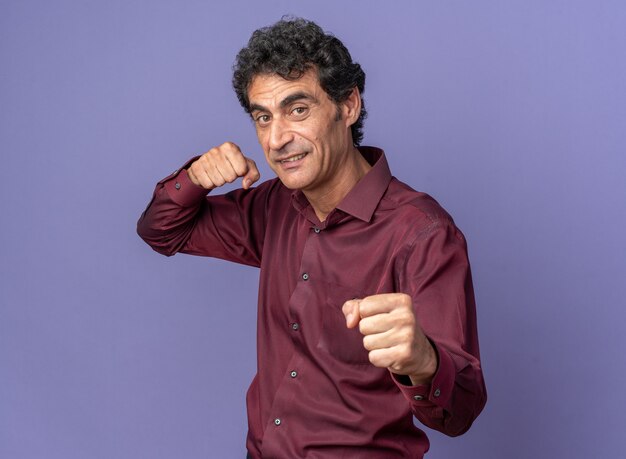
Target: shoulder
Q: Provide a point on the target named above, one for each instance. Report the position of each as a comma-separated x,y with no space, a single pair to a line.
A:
416,217
421,226
414,207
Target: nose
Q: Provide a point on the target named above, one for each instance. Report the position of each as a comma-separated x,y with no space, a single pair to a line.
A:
279,134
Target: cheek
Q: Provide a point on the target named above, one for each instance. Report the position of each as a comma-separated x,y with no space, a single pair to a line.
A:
261,137
269,163
326,133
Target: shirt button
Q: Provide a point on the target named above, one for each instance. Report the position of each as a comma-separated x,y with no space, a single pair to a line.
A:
293,374
317,230
177,186
418,397
295,326
277,421
305,276
437,393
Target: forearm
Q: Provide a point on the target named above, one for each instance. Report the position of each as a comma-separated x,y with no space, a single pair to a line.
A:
445,309
181,218
168,221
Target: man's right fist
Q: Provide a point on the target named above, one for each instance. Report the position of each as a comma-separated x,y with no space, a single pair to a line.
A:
223,164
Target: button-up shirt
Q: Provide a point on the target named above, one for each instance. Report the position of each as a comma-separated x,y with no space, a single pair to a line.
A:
315,393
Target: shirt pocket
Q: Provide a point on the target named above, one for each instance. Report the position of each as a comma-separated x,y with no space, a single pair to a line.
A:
340,342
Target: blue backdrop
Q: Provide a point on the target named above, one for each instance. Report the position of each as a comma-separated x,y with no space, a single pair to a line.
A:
511,113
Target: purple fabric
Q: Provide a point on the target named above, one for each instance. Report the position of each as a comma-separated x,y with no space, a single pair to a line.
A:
511,114
315,392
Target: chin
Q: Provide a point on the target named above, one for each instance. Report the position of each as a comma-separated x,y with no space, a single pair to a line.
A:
293,183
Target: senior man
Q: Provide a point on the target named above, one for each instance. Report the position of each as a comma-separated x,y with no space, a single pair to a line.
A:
366,311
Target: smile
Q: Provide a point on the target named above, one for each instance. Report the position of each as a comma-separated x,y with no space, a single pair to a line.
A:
293,158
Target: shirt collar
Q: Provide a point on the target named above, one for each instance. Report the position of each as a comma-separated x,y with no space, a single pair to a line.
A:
362,200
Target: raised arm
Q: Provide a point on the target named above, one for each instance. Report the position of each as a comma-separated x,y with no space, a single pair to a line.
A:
181,218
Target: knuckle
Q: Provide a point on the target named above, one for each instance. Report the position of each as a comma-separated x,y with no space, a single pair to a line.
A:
405,300
205,161
238,163
407,336
230,151
195,172
255,171
405,352
408,318
239,168
213,155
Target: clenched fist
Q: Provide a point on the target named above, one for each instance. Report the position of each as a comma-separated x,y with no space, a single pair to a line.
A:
223,164
392,335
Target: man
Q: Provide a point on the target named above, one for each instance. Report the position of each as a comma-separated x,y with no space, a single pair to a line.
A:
366,311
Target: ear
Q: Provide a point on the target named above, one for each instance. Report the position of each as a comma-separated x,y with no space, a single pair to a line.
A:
351,107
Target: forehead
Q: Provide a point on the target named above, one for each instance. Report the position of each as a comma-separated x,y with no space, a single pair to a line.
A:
269,90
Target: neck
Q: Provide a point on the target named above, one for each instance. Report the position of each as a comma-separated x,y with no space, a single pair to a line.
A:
324,201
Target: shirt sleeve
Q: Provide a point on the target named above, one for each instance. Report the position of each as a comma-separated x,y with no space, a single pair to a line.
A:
436,274
182,218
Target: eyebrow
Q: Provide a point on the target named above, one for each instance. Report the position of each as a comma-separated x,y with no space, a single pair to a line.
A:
300,95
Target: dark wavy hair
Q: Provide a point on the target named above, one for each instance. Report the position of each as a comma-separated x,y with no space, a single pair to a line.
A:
291,47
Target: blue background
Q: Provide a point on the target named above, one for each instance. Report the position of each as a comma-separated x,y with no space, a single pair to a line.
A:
511,113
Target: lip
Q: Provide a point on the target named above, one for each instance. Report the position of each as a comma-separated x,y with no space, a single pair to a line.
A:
292,161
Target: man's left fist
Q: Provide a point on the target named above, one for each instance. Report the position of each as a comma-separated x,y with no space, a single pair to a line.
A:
392,335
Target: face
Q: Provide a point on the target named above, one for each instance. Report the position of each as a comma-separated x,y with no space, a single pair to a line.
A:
304,134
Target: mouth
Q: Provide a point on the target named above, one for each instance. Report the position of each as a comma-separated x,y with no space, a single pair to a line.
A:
292,159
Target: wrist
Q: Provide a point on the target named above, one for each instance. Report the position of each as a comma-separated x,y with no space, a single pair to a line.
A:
428,370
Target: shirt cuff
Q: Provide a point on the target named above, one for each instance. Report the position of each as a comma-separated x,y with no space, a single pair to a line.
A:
181,189
439,391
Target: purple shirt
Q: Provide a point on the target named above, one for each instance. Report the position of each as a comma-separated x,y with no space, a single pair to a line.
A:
315,393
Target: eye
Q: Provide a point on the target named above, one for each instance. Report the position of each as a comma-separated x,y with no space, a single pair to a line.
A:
299,111
262,119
